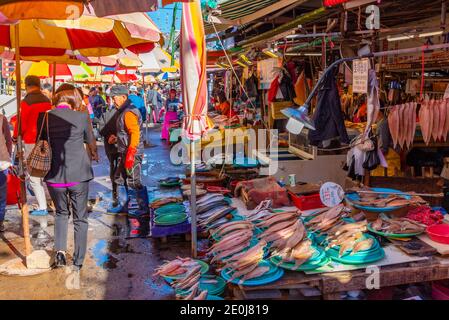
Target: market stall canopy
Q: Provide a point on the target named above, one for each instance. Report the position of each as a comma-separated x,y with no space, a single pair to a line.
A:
43,69
241,12
124,59
37,38
164,76
138,24
156,61
66,9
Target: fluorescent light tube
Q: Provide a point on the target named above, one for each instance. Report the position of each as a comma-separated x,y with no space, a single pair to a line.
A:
399,38
430,34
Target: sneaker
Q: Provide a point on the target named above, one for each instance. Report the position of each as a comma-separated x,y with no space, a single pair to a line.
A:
2,227
39,213
60,259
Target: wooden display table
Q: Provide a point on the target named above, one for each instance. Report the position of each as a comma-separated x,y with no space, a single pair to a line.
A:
331,285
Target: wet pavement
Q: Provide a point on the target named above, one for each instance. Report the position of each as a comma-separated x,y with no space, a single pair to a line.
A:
115,267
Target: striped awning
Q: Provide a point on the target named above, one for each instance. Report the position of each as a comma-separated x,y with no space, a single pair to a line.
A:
236,9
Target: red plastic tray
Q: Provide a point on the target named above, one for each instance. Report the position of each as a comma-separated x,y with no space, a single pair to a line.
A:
307,202
440,292
439,233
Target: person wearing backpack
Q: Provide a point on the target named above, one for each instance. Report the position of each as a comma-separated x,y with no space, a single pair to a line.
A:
5,163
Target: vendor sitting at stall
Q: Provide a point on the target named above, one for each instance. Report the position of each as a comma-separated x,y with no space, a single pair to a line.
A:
173,107
223,106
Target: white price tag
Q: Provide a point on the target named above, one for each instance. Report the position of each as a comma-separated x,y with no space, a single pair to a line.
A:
331,194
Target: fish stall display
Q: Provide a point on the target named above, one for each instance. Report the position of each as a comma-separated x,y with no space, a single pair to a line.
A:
184,274
397,226
326,219
213,210
291,247
350,243
240,255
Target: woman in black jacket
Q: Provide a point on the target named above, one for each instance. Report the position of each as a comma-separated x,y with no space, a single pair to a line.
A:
68,180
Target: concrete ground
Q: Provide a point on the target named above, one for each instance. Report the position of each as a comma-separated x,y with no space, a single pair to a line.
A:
115,267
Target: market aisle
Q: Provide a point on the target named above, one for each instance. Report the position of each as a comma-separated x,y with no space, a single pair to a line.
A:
115,268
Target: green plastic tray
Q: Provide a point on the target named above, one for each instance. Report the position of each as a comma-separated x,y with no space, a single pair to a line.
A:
170,219
170,184
170,208
393,235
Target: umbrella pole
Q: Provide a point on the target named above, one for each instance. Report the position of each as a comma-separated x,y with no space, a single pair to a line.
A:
23,197
54,80
193,199
145,104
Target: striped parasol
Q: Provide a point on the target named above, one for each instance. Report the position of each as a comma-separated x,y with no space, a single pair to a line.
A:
194,90
64,71
193,71
66,9
38,38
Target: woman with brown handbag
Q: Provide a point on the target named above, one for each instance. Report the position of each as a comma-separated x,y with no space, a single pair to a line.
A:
71,170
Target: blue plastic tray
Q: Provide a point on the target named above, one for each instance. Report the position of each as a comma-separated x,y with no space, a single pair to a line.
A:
350,197
273,275
213,297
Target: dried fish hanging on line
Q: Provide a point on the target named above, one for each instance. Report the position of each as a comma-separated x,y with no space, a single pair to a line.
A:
402,124
434,120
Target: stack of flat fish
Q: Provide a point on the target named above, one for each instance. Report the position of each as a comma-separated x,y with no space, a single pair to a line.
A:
263,211
212,210
235,238
402,124
246,264
236,252
349,237
288,238
190,280
434,120
326,220
398,226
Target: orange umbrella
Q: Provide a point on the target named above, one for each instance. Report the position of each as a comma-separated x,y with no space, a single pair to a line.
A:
68,9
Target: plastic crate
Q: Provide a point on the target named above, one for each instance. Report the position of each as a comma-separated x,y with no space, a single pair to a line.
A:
307,202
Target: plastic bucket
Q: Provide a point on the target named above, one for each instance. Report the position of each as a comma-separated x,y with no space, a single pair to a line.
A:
13,189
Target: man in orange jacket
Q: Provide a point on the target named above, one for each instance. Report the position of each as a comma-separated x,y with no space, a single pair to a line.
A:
129,140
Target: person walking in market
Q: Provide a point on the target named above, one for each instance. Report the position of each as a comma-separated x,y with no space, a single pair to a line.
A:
129,142
154,100
97,102
5,163
68,134
108,130
172,108
34,103
137,101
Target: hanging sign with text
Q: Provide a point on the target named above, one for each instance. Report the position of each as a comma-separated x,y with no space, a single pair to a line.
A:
360,75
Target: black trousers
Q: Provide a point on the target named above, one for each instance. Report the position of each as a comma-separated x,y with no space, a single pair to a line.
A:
114,161
133,180
76,198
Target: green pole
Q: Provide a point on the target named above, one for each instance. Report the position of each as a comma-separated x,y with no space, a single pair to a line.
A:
172,35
